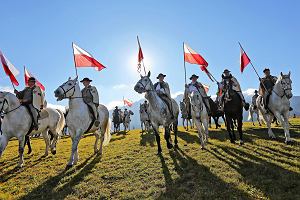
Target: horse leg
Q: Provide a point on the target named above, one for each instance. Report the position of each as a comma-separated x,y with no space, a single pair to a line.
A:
74,154
47,142
167,138
21,150
205,125
97,136
155,129
258,119
240,130
209,122
27,142
54,140
268,119
200,134
286,127
175,127
228,126
3,143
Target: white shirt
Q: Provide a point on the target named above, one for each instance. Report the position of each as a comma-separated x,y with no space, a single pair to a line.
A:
192,87
158,88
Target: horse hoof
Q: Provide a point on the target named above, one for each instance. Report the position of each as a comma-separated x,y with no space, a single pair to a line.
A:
170,146
29,152
53,152
202,148
232,141
69,167
241,142
176,146
289,142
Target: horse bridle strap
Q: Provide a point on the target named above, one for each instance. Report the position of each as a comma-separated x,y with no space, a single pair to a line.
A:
5,113
144,86
65,92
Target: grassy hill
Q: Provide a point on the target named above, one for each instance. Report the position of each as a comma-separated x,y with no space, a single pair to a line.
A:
130,168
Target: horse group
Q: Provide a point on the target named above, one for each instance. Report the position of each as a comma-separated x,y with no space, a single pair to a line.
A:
120,118
17,121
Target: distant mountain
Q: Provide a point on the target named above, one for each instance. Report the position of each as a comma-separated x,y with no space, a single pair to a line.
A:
135,119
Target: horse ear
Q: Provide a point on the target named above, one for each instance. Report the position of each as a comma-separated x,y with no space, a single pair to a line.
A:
281,73
141,75
289,73
76,79
69,78
149,74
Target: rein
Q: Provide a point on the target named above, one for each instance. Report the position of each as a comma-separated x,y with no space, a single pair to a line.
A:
284,89
66,91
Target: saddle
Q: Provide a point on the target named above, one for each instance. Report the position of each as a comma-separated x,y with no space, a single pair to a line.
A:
165,99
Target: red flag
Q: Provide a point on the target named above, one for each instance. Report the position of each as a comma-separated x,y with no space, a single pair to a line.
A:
193,57
245,60
9,69
127,102
27,75
140,55
84,59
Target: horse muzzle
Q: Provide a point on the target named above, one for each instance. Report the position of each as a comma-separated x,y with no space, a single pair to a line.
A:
138,89
58,94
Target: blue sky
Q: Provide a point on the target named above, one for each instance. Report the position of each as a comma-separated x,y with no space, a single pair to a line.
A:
39,34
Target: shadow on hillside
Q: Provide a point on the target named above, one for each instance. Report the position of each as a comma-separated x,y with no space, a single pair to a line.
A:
274,181
195,181
147,138
48,190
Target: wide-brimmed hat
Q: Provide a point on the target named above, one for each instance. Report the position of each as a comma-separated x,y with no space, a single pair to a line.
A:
31,79
161,75
86,79
226,71
266,69
194,76
125,108
255,91
116,107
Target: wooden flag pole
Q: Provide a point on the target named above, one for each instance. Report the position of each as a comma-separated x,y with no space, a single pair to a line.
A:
74,60
184,65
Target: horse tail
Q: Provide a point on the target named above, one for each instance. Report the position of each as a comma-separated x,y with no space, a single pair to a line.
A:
107,135
61,122
249,115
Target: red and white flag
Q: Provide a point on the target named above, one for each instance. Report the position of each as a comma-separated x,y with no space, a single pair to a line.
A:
140,56
9,69
27,75
127,102
193,57
245,60
84,59
206,88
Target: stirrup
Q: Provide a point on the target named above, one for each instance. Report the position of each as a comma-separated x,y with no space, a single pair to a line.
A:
97,123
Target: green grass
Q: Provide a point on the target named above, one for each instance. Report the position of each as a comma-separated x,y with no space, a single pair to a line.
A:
130,168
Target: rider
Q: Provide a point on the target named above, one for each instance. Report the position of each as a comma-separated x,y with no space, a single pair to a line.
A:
163,91
227,78
91,98
266,86
125,114
196,86
32,98
146,105
254,99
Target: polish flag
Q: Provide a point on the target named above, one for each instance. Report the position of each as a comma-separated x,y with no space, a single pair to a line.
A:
127,102
206,88
245,60
27,75
9,69
84,59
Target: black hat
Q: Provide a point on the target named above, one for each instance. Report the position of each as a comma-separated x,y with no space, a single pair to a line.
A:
226,71
159,75
125,108
116,107
86,79
194,76
255,91
266,69
31,79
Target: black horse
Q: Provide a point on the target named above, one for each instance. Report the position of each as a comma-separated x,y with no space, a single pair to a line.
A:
216,113
233,109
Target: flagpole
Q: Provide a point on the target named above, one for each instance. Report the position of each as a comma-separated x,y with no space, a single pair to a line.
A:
254,69
74,60
184,64
139,50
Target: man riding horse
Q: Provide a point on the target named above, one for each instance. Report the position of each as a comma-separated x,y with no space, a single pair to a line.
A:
126,112
163,91
91,98
254,97
196,86
266,86
229,82
32,98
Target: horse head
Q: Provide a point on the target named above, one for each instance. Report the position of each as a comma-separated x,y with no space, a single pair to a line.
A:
8,101
196,102
286,84
144,84
67,89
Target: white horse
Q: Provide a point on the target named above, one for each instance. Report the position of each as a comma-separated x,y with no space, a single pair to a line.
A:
159,113
127,120
200,117
144,118
79,119
279,105
252,110
17,122
185,116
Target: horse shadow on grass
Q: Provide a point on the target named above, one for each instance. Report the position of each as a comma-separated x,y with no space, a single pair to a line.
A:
48,190
272,180
195,181
147,138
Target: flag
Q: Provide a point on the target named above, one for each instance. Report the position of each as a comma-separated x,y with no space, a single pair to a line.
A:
245,60
140,56
27,75
84,59
9,69
206,88
127,102
193,57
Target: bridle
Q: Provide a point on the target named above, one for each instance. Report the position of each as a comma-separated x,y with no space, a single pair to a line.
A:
289,88
66,91
144,86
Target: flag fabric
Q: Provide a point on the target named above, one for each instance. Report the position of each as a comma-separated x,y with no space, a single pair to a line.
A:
9,69
27,75
84,59
140,56
193,57
206,87
245,60
127,102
